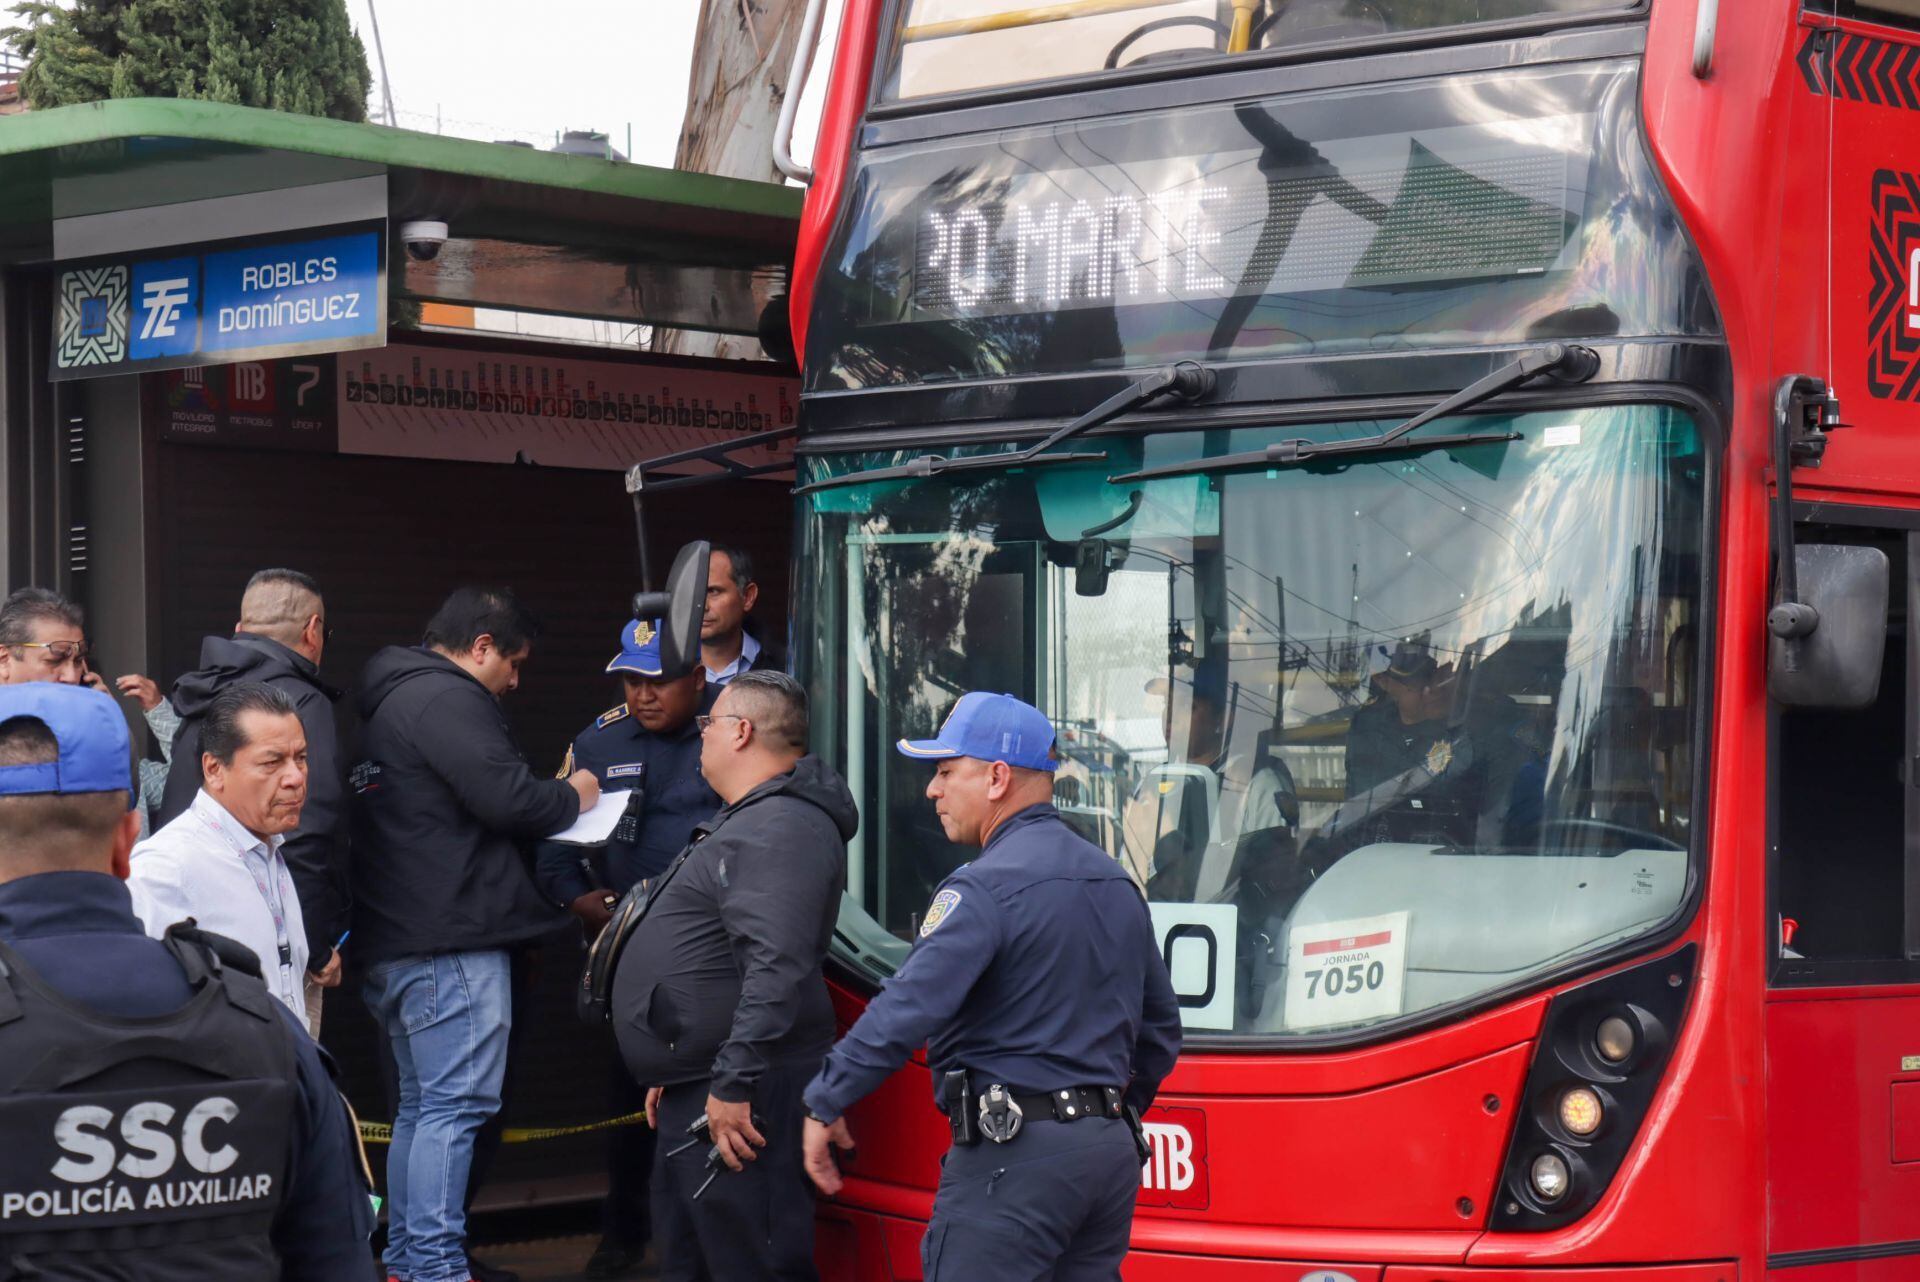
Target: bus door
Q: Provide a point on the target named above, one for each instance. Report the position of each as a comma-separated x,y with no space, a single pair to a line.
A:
1843,1001
1123,643
929,616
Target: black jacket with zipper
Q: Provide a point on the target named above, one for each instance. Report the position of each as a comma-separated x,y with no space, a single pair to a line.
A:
444,809
316,851
721,976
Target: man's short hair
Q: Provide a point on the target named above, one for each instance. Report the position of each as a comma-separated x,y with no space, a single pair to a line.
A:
739,560
28,606
471,613
220,733
776,704
278,603
52,830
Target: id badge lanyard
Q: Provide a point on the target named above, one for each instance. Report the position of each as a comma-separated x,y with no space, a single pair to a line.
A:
272,893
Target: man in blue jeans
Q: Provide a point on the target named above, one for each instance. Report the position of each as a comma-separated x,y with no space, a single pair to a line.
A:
442,803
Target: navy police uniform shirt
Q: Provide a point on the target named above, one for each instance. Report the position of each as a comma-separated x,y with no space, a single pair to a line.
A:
1036,968
78,931
624,755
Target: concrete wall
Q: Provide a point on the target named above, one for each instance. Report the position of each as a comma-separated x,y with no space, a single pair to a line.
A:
108,553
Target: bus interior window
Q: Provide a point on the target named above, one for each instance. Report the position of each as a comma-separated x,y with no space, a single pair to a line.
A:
1842,801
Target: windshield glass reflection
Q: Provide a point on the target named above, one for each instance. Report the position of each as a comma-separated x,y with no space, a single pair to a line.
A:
1442,703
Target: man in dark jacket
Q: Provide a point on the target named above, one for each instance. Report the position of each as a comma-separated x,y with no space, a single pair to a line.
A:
279,641
442,801
718,1000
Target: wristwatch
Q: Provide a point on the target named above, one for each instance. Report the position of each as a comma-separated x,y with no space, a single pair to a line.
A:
824,1121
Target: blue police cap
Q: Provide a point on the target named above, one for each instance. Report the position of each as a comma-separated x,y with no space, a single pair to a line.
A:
639,649
990,727
95,753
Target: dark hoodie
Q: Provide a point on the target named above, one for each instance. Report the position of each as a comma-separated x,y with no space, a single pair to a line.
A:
721,977
316,851
442,802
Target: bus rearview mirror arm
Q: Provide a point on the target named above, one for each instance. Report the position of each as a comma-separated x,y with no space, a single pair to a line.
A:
1828,623
1804,411
679,607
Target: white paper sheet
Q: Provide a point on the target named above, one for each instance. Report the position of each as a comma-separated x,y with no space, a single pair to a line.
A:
595,825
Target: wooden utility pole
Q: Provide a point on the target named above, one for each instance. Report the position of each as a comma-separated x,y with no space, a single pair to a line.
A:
741,54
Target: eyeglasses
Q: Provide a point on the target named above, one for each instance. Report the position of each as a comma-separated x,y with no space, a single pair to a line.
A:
705,721
326,629
58,651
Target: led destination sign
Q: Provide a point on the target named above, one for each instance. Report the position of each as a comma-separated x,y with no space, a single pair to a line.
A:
1504,207
1446,207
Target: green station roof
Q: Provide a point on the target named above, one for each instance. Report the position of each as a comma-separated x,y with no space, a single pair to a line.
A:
529,230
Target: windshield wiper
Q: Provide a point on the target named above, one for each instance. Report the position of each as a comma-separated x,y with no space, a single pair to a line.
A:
1184,381
1565,362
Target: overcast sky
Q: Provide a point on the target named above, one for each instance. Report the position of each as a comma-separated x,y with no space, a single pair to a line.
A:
516,69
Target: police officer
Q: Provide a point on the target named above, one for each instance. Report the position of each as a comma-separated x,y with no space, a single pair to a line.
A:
1049,1018
648,745
1406,724
211,1146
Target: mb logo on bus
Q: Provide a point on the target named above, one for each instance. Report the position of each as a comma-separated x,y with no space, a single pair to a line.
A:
1175,1172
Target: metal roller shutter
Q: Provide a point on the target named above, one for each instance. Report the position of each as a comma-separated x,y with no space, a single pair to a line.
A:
387,538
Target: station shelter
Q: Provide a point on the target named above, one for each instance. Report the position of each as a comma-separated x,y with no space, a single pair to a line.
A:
228,342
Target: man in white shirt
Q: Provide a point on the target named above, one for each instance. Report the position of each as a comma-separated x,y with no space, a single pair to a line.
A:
220,862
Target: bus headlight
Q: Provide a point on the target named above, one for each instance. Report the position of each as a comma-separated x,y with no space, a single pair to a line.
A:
1581,1111
1551,1177
1615,1039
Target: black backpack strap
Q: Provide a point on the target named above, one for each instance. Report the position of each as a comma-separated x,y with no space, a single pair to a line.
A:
9,1003
210,958
231,953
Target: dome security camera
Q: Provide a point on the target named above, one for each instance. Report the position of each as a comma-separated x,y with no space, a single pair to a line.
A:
423,239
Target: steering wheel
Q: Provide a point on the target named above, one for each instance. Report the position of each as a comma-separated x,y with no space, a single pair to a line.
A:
1613,836
1161,24
1265,24
1367,23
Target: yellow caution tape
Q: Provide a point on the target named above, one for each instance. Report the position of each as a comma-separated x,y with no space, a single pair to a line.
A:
382,1132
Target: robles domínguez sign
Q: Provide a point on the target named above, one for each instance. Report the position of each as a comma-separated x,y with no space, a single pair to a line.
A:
293,295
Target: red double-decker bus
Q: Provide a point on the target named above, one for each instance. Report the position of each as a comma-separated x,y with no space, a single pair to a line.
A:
1360,425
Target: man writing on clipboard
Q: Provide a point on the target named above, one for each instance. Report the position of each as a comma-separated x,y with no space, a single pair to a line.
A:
648,747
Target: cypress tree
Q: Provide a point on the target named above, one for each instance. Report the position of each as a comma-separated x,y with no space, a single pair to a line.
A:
288,55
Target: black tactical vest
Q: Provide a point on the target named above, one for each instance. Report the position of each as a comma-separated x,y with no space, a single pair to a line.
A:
143,1150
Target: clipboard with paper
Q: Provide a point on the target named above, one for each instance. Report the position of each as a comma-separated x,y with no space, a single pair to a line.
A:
595,825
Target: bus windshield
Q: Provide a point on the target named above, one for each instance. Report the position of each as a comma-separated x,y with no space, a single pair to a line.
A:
953,46
1442,703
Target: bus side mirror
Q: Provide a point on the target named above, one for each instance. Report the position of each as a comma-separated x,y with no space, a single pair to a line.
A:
1827,652
679,609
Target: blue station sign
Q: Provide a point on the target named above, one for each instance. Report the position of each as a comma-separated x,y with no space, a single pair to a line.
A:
218,305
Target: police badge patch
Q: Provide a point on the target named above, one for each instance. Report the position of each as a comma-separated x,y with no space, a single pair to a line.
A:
943,903
1439,757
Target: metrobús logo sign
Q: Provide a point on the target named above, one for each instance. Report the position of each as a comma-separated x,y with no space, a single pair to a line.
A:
1175,1172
